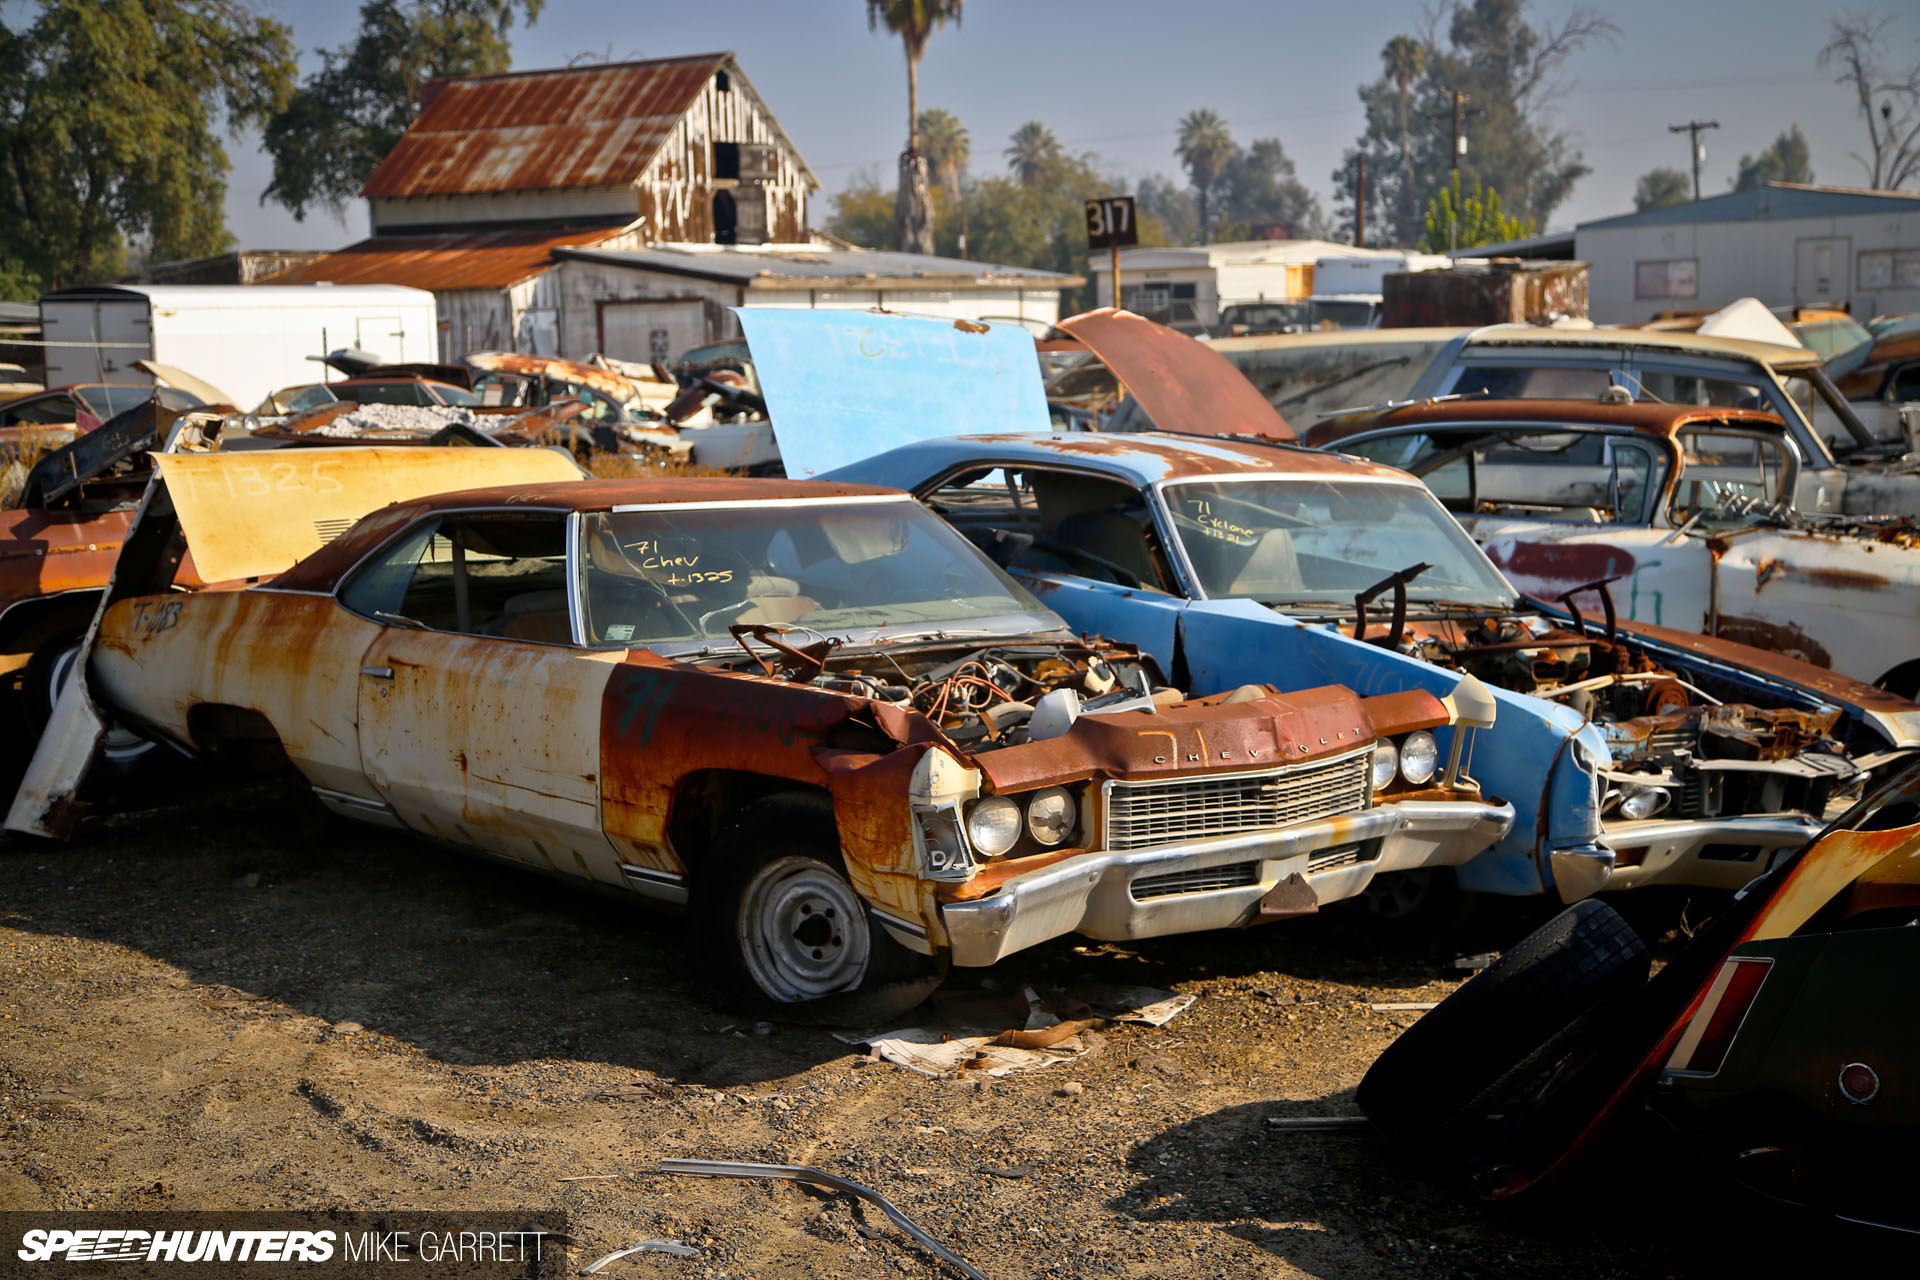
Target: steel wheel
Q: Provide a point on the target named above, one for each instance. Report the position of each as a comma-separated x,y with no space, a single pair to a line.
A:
802,931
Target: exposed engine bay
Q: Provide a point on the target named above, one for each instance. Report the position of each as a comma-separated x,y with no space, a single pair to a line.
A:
1678,750
999,696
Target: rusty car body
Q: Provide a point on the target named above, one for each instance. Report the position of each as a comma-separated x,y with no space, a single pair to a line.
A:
811,711
1644,759
1844,467
1690,509
1780,1044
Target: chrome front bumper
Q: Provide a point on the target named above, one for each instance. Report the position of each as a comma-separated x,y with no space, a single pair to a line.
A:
1699,853
1140,893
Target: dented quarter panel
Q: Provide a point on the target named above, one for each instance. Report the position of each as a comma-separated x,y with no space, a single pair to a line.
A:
292,657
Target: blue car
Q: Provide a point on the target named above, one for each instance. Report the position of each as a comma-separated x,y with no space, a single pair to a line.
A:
1630,758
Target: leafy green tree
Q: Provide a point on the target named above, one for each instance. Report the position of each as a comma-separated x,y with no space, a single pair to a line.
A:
1454,222
1171,204
1508,69
1039,224
947,146
1659,188
332,134
110,113
1787,160
914,21
1032,151
1260,186
1205,148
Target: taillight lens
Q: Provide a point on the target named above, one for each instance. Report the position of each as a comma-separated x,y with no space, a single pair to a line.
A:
1704,1047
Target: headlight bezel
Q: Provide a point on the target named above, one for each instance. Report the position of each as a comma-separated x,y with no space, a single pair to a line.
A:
985,808
1428,749
1384,766
1066,825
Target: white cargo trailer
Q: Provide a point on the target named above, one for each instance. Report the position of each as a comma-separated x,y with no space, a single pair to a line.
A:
246,339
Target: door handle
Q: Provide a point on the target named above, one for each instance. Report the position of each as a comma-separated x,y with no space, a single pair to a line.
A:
378,673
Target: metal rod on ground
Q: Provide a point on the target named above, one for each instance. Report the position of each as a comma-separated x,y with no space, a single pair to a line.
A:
821,1178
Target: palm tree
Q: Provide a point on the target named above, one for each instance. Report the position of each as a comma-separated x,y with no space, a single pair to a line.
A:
1405,58
947,145
914,21
1030,151
1204,148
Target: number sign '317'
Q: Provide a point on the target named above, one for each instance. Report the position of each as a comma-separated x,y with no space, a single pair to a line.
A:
1110,223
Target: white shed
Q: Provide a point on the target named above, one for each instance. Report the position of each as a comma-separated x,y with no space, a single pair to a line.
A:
1784,243
1186,286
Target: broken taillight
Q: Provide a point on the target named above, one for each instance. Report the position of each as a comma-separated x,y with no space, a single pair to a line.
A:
1704,1047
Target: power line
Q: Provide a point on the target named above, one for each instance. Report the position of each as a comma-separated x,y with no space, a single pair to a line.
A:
1693,128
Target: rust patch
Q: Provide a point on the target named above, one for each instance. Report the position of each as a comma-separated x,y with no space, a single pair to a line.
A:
1185,386
1786,639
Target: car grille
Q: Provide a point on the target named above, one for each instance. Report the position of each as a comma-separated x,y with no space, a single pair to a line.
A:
1235,875
1141,815
1346,855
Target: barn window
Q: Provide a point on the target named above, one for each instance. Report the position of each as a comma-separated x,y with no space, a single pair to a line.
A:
726,160
725,219
721,82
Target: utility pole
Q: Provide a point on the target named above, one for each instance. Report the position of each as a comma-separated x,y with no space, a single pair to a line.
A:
1693,128
1459,140
1360,204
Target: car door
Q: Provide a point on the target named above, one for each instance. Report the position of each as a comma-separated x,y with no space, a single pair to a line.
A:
479,721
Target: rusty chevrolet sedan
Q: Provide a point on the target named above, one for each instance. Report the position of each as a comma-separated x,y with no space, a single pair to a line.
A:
813,714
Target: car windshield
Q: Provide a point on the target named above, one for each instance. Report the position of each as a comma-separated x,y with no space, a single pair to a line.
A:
1318,541
681,575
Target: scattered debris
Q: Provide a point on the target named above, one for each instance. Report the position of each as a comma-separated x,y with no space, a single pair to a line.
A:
672,1247
1046,1039
1476,962
1413,1006
821,1178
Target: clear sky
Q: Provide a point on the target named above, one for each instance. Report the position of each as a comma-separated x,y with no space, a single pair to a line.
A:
1113,77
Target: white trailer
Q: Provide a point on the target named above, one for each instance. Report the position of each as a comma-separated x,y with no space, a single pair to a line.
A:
247,340
1347,292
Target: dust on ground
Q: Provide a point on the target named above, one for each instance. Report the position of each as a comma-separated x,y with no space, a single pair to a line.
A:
214,1006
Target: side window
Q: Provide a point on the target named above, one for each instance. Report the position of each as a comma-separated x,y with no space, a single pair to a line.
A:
46,411
1727,473
487,574
1905,383
1444,466
1530,382
1578,476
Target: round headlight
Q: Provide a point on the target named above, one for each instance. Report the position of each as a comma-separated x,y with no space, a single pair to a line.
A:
993,826
1642,802
1419,757
1050,815
1385,761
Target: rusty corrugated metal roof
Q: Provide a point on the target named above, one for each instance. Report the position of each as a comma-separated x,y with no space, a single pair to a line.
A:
464,260
538,130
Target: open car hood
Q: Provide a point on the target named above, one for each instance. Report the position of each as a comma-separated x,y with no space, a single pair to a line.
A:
258,513
1185,386
844,385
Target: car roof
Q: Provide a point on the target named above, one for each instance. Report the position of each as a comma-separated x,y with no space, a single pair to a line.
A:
1524,335
322,570
1145,458
1644,418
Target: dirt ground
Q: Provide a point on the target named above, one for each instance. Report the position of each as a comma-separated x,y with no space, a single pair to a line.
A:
208,1006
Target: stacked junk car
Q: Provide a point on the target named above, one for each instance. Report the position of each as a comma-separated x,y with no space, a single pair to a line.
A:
830,642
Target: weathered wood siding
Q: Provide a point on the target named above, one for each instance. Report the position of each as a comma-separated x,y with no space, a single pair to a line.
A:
676,190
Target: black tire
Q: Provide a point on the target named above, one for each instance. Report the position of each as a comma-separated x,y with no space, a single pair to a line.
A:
1582,959
47,672
788,933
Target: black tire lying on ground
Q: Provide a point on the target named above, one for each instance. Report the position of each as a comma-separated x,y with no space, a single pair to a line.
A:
1583,958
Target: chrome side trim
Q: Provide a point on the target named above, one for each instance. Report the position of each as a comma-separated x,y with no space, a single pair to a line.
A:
663,886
